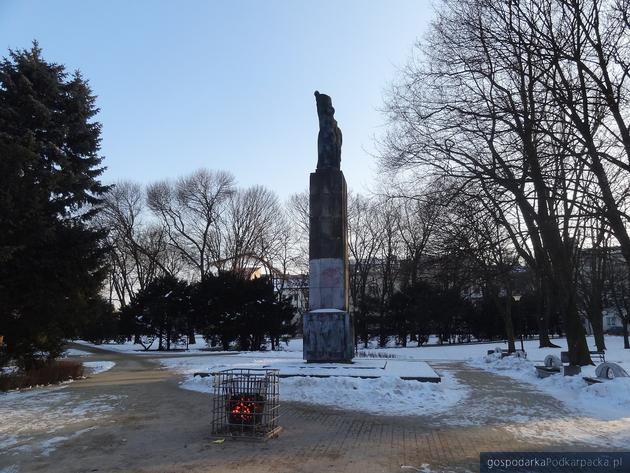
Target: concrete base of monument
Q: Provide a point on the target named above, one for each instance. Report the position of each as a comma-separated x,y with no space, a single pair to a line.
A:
328,336
360,368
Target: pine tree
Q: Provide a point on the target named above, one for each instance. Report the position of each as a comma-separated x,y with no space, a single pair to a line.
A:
51,260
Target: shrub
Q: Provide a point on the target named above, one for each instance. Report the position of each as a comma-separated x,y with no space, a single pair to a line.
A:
51,372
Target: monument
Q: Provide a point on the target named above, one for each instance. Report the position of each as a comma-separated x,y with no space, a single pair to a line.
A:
328,332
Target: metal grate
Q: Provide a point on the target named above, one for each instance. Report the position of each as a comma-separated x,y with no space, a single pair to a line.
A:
245,403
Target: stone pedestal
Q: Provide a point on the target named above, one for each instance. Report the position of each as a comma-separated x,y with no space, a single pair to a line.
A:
328,336
327,327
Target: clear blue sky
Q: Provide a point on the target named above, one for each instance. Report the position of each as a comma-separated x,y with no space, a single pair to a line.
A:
226,84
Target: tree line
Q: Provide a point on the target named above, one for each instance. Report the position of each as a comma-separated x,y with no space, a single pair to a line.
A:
504,173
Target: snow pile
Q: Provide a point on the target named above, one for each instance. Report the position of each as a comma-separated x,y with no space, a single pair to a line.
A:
96,367
387,395
509,363
608,400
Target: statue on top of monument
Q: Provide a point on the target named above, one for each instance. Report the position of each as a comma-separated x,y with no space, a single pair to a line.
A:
329,137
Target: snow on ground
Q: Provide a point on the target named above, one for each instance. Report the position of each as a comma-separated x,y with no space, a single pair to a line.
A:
604,434
464,352
599,415
137,349
96,367
32,420
609,400
75,352
386,395
606,402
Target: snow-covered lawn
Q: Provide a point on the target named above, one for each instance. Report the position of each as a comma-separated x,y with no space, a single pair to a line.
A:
32,419
38,420
464,352
137,349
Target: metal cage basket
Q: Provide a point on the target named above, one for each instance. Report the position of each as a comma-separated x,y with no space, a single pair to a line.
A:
245,403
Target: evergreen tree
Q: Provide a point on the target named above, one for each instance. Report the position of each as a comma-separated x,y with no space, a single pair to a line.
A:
162,311
51,260
230,308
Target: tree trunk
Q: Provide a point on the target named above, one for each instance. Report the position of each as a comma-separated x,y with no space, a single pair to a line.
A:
564,286
544,315
365,335
595,318
626,342
509,324
576,337
598,270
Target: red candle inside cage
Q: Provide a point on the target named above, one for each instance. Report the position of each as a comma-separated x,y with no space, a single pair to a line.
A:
245,409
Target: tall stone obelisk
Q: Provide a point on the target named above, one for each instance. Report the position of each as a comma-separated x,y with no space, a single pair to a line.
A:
327,326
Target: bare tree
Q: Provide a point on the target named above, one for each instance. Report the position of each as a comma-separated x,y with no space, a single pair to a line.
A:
253,230
618,288
420,212
591,272
137,248
365,240
387,265
189,210
474,107
297,210
486,246
586,46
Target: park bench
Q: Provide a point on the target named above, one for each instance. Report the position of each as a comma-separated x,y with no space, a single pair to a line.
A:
552,365
570,370
600,355
605,372
594,354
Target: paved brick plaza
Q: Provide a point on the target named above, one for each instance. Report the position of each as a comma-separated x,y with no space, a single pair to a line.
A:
154,426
